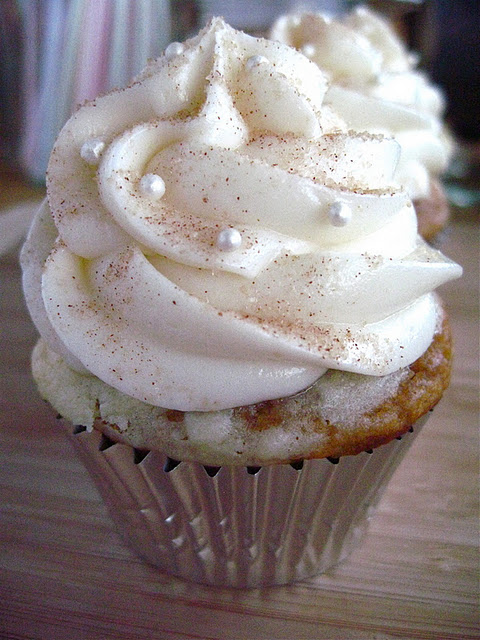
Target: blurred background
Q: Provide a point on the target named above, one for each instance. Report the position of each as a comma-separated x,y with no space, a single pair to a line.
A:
54,54
63,572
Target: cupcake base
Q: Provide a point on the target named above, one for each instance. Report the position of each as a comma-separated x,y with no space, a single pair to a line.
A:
237,526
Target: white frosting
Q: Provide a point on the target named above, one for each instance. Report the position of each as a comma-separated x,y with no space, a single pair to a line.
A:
376,87
234,241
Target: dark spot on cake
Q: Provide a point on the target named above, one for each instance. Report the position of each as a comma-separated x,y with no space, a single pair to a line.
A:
211,471
79,428
139,455
173,415
105,443
262,416
170,465
253,470
297,465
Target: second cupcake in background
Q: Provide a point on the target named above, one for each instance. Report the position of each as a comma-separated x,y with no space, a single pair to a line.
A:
375,86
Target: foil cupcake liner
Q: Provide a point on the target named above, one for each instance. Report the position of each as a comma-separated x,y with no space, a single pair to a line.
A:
237,526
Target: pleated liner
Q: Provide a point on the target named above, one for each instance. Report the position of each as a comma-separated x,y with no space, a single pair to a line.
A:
237,526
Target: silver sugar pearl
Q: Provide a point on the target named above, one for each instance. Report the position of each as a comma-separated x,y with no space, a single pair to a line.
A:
255,61
92,150
174,49
308,50
152,185
339,214
229,240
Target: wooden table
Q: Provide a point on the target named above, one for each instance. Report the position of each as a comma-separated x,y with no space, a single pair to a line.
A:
65,573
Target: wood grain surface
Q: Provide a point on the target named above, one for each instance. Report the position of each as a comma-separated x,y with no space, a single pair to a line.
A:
65,573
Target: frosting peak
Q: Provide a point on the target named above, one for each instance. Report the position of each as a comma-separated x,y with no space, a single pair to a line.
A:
214,235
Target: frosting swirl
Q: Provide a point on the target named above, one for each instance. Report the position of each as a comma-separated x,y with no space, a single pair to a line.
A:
213,237
375,86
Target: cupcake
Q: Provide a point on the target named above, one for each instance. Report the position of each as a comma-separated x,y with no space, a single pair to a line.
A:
375,86
237,316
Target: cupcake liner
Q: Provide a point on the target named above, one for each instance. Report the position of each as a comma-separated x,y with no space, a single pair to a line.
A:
237,526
